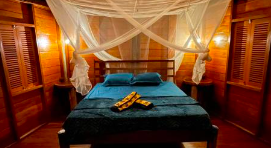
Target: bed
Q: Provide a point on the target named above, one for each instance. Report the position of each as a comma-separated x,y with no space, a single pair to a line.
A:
175,118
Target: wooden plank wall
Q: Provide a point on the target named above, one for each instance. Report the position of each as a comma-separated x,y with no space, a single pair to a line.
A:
251,8
29,112
29,108
216,69
46,27
11,10
6,134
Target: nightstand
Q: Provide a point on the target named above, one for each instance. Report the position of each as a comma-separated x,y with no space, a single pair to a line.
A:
67,89
202,92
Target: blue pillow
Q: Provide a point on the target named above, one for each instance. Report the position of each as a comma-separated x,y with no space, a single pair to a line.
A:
151,78
118,79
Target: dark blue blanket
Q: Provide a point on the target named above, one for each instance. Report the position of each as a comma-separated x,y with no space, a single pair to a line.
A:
93,117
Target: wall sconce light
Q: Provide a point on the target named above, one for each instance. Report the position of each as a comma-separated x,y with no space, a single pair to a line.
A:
43,42
67,41
220,39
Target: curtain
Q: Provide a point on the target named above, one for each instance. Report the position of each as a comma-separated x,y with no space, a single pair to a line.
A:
182,26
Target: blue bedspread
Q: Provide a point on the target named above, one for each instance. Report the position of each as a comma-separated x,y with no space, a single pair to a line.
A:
165,89
173,110
93,117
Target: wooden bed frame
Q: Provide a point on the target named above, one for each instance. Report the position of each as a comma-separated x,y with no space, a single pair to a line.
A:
167,70
164,67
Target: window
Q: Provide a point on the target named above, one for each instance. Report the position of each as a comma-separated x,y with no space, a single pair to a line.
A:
250,51
19,57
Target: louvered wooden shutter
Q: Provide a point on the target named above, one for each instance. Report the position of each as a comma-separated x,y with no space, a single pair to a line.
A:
10,57
27,46
240,46
258,51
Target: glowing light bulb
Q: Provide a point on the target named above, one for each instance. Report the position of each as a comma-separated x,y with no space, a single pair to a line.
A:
67,41
43,42
218,39
198,40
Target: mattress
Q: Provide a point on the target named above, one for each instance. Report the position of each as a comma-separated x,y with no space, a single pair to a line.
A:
93,117
165,89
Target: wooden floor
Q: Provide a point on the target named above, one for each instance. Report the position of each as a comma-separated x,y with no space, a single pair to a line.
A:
228,137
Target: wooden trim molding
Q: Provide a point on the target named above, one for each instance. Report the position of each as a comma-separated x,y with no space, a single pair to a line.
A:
27,90
244,86
250,18
15,23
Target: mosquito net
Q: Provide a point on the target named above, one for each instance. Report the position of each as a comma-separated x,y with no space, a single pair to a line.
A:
128,27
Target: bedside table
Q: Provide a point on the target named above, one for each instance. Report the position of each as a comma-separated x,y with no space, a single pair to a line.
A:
67,87
201,92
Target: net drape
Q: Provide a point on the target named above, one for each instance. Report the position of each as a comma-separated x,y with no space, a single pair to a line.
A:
128,27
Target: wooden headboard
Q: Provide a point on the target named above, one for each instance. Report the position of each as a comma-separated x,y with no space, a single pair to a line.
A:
166,68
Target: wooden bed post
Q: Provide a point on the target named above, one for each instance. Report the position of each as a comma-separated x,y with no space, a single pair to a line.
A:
212,143
61,139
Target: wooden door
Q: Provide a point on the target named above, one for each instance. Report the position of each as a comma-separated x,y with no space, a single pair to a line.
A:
247,73
21,72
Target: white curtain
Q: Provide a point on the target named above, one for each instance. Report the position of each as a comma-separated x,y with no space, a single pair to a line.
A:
180,25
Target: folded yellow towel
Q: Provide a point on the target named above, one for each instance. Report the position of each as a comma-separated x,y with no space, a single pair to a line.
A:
129,104
129,100
143,104
126,102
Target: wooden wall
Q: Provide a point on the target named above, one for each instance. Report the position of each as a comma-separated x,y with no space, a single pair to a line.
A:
46,27
251,8
6,133
11,10
216,69
30,109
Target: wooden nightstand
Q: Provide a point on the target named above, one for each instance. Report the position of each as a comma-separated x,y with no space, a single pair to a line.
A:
202,92
67,87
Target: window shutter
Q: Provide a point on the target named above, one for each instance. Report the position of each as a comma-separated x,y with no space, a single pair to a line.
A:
10,57
27,46
241,30
258,51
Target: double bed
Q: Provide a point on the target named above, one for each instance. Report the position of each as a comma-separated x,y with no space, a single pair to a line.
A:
174,118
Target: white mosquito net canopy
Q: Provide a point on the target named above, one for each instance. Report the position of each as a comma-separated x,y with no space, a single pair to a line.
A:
181,26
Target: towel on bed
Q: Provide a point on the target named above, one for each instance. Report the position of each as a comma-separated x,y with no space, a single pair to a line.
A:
129,100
